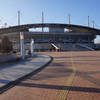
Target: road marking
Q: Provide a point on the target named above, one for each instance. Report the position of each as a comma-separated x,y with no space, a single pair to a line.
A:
64,93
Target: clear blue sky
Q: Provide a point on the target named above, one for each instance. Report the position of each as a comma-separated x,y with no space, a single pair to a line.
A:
55,11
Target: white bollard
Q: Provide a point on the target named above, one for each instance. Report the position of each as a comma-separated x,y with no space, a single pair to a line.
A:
22,45
32,47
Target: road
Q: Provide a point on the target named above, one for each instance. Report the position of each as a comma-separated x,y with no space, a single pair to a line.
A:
70,76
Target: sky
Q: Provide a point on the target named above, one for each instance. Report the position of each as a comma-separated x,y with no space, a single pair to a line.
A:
55,11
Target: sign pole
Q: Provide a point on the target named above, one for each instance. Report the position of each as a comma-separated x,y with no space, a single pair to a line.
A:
22,45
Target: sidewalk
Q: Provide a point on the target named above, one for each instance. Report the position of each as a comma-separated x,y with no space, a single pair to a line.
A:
12,73
8,58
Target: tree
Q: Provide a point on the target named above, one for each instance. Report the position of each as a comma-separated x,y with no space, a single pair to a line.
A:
6,45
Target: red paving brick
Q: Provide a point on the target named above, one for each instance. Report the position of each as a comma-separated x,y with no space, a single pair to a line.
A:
51,83
87,76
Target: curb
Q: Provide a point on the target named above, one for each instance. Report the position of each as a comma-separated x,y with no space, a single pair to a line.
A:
13,83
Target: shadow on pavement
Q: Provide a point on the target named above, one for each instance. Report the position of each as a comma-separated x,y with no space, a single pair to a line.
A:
60,87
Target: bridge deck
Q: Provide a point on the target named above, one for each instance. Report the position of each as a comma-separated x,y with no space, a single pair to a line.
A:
71,76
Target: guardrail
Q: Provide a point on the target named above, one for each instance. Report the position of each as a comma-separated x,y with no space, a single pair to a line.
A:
86,47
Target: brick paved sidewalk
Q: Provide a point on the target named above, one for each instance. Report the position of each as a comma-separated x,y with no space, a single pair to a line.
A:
52,83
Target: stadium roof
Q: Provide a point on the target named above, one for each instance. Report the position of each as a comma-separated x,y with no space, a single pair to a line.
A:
74,28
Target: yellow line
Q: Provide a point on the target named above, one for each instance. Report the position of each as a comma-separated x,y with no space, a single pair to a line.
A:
64,93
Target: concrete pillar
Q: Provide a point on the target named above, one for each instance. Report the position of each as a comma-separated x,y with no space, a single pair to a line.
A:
22,45
32,48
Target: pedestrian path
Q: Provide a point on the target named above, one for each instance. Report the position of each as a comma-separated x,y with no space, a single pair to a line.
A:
8,58
12,72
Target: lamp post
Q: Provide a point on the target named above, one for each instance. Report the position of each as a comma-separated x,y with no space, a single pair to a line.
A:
88,21
69,21
93,23
42,21
21,40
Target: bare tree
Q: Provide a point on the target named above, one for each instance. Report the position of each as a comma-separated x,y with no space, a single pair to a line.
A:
6,45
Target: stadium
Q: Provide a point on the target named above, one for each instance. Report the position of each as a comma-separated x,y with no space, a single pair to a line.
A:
51,36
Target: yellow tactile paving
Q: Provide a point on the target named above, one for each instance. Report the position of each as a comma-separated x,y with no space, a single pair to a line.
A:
64,93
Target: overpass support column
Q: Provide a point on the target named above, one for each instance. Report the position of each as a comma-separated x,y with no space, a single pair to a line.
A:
32,47
22,45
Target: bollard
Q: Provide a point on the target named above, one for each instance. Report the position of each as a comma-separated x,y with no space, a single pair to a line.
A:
32,47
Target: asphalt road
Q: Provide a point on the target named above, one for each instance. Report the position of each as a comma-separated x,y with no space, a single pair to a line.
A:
71,76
